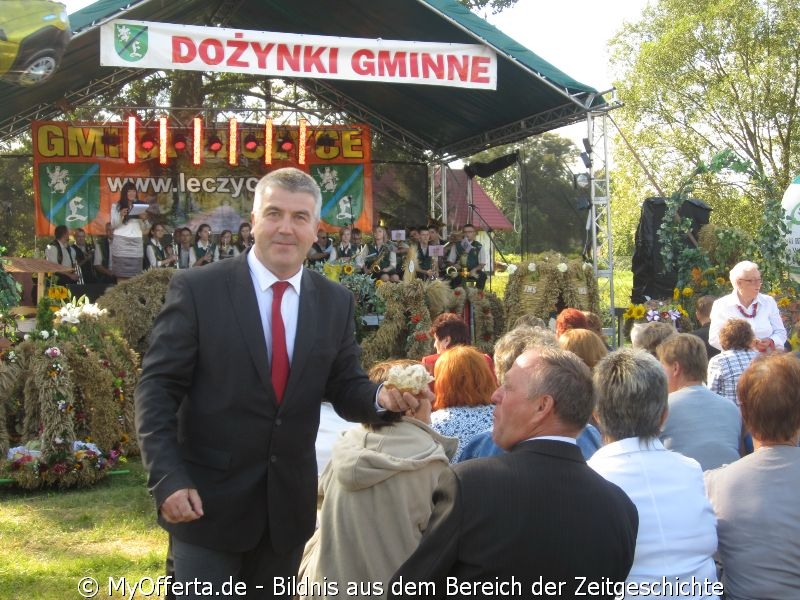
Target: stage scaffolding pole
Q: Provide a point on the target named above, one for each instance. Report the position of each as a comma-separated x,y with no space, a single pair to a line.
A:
600,207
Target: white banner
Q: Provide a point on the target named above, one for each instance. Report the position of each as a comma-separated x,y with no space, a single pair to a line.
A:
148,45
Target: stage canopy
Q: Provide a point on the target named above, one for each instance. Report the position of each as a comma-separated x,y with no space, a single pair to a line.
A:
435,123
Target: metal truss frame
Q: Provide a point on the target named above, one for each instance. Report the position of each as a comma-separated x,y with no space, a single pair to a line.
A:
597,125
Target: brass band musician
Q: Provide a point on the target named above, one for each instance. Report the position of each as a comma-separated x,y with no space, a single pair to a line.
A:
468,257
379,258
425,262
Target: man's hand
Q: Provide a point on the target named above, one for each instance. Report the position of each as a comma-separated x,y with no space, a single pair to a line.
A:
182,506
393,400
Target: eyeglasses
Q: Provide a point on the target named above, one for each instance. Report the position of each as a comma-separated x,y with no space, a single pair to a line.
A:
751,280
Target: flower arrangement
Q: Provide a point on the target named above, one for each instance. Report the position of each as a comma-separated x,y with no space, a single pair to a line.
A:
657,310
65,399
76,465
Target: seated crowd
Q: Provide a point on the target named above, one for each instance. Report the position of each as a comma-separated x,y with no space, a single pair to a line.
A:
584,464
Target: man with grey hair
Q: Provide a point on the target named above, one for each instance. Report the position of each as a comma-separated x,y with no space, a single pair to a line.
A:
228,404
561,524
506,350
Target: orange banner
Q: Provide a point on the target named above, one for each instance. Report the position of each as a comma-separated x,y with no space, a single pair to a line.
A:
80,169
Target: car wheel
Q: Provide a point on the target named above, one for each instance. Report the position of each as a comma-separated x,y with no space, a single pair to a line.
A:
38,69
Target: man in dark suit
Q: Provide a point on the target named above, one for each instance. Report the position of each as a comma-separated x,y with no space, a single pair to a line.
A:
229,449
538,518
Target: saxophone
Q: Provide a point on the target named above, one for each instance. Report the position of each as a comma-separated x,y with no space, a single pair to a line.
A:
375,266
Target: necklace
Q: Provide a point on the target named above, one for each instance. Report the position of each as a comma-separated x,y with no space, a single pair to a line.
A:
746,314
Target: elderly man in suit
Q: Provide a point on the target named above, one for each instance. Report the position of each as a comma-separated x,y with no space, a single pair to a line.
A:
228,404
536,519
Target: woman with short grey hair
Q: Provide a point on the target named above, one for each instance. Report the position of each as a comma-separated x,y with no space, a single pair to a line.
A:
746,301
677,530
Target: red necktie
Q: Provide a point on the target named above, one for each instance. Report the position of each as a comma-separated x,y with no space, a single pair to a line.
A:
280,357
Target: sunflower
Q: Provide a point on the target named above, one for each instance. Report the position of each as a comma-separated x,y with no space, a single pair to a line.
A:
687,292
347,269
637,311
676,294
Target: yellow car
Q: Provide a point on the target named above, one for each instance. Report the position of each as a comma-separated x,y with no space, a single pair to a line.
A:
33,37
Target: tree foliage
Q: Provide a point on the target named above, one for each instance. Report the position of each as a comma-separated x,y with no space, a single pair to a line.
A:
16,200
495,6
698,77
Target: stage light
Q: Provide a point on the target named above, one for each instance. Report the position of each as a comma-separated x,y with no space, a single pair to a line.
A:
131,140
197,141
587,145
302,138
268,142
147,142
581,181
587,160
250,143
179,142
233,142
285,143
326,141
110,139
162,140
214,144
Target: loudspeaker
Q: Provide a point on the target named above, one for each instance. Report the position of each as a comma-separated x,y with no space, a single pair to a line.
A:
650,278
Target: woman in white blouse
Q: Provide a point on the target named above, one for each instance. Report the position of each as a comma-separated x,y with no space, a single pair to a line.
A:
127,245
746,301
677,529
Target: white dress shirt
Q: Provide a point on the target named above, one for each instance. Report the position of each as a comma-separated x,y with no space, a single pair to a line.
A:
263,279
766,323
677,527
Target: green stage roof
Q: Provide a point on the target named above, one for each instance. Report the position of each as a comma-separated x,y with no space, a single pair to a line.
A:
532,95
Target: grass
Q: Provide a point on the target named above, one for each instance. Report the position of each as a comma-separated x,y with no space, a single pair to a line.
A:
50,540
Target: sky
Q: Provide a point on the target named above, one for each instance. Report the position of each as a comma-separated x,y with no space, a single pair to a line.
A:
570,34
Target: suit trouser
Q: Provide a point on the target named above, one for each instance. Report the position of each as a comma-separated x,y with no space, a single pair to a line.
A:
264,573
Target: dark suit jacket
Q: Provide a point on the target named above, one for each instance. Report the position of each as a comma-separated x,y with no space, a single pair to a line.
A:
702,333
206,413
537,511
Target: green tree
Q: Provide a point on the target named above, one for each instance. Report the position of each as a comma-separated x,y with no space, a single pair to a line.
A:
495,6
16,202
698,77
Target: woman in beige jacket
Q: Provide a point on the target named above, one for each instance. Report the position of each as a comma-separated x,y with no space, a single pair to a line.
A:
376,498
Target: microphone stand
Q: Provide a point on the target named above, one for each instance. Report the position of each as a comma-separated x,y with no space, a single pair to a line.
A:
489,232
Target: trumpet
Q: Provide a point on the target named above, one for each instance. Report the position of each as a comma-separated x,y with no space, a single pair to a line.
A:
451,271
376,267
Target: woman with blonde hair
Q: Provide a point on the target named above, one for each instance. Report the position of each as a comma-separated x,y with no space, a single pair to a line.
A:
464,385
586,344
